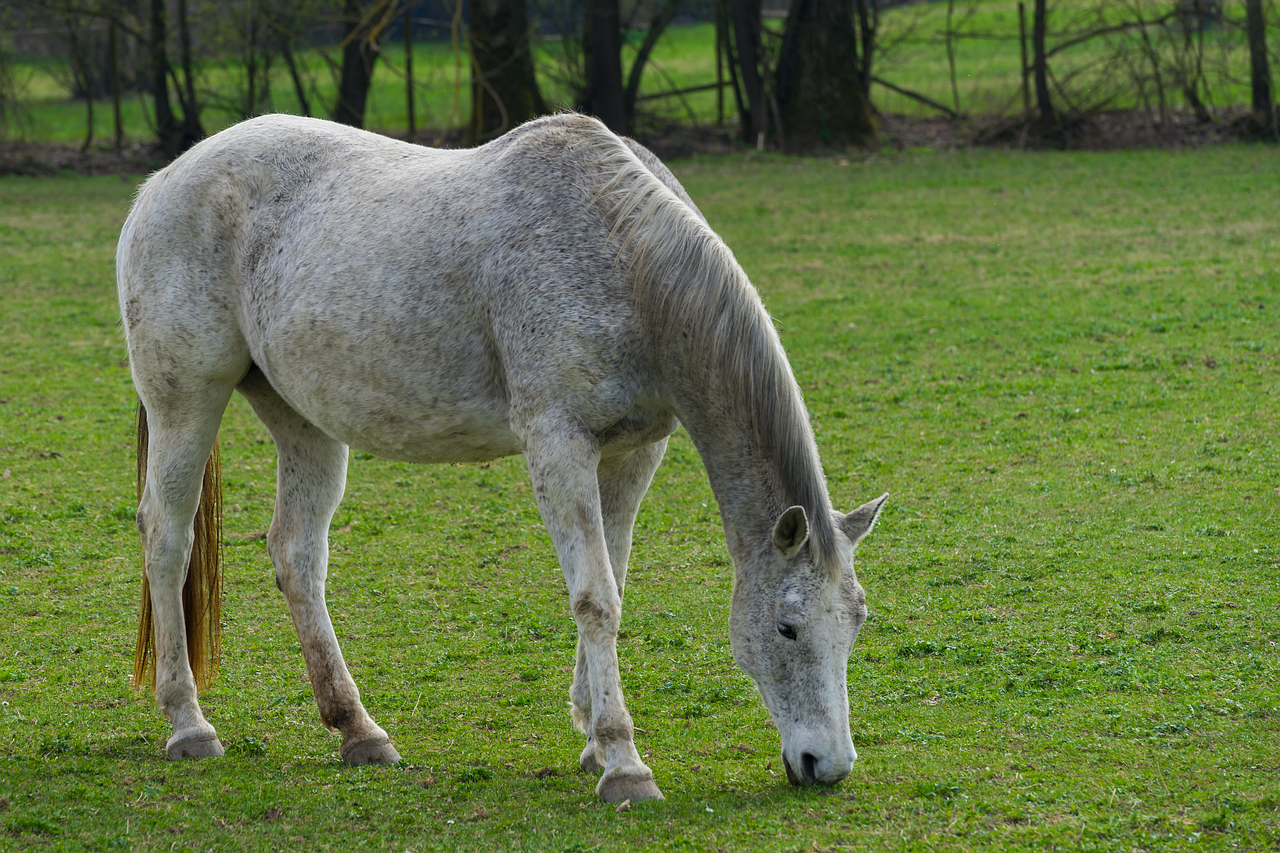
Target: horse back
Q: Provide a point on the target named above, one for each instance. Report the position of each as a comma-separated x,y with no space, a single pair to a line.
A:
409,301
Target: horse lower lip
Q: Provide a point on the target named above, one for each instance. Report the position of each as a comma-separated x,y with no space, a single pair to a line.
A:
797,779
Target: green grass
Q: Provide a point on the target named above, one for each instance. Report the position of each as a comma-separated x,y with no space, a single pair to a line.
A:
1062,366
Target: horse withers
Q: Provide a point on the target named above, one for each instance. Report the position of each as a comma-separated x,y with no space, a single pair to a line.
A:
554,293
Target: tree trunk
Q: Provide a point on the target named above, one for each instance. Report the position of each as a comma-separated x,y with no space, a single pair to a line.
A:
731,62
1022,41
744,15
951,58
82,75
408,68
602,43
168,134
112,38
819,88
1043,104
192,130
359,52
504,88
868,20
1264,107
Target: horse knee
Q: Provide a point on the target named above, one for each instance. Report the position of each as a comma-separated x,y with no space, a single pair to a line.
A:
596,619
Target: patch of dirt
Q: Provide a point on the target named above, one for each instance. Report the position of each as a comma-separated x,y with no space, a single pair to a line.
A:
1120,130
1110,131
46,158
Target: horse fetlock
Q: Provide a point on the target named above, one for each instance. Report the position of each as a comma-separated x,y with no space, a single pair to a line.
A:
592,759
613,729
634,784
581,716
176,699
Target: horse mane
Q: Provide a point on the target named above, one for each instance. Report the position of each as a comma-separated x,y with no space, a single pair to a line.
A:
696,298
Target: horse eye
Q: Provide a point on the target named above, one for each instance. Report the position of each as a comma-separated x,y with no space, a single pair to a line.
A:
787,631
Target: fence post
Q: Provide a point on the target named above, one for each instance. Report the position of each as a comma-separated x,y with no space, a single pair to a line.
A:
951,57
719,14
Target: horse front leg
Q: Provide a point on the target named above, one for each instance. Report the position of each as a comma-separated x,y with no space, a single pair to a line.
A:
564,472
623,481
311,476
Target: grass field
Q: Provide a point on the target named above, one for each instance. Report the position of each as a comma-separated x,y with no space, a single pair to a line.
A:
912,55
1062,366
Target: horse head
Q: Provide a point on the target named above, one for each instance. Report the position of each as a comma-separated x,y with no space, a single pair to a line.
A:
792,625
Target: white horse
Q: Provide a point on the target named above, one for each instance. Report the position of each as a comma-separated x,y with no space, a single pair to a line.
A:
554,293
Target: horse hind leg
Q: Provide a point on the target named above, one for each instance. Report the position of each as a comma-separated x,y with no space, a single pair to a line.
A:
181,431
311,476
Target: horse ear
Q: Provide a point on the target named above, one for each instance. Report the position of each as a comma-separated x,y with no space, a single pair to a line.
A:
791,532
858,523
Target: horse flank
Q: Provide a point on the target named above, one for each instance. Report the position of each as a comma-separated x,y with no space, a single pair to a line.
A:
689,286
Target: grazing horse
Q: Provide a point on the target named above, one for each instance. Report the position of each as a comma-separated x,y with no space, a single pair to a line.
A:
554,293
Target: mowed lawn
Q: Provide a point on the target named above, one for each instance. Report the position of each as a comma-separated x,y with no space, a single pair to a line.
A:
1062,366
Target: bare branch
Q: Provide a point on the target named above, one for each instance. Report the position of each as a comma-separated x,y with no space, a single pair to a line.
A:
916,96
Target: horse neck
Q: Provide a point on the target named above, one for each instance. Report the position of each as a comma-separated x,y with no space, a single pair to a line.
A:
742,408
720,358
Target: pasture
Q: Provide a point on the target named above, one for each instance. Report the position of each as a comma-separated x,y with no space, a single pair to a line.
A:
1063,367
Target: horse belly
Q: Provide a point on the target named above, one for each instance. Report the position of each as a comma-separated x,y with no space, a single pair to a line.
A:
412,397
407,427
438,437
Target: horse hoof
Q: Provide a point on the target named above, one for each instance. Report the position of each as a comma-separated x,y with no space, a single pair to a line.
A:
370,751
200,746
589,761
616,787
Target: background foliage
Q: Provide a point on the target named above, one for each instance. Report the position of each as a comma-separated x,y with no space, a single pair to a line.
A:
963,56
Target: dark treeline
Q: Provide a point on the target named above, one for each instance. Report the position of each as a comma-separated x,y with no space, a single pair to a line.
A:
798,77
809,79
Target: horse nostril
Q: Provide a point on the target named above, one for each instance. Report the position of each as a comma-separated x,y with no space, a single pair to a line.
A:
809,768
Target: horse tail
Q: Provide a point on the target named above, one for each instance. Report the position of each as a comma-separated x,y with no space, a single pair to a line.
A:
202,590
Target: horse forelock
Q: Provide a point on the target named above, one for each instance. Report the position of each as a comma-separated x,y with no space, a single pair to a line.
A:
697,300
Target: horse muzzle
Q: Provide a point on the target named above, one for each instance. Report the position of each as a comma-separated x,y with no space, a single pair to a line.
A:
806,768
